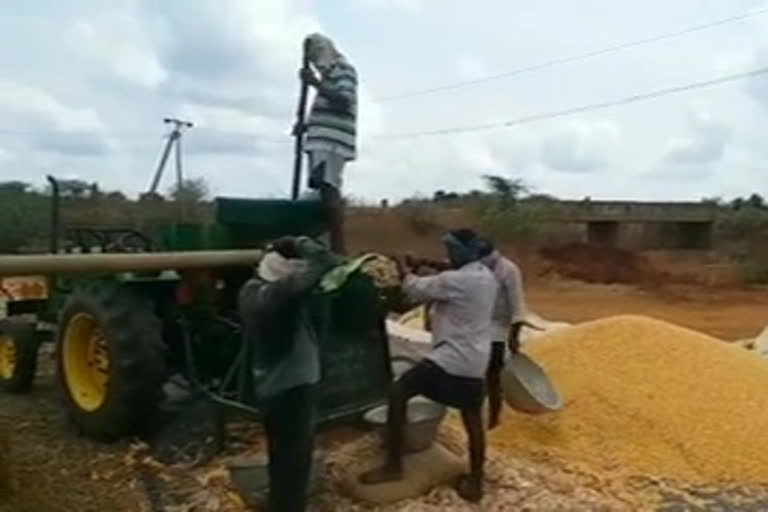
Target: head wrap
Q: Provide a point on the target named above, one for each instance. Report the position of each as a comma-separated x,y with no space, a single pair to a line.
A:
274,267
463,246
486,247
321,51
488,253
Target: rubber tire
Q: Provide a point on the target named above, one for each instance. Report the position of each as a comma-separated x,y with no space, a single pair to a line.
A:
25,340
133,334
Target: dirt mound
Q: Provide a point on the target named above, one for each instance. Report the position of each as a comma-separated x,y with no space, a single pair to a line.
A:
598,264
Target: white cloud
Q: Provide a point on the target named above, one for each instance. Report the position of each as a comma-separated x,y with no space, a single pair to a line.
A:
471,67
705,143
580,147
116,41
23,100
404,5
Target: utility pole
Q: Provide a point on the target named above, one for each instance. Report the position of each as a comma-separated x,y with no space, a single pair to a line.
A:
174,137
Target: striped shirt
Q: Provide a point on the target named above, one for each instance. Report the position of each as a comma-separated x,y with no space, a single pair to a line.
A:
332,124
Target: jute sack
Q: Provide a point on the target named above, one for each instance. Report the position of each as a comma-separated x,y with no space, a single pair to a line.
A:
422,471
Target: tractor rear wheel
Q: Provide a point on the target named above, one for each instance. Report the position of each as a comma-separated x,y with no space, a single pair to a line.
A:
110,355
18,355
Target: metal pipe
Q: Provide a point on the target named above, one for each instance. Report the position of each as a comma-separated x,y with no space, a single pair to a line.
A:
301,108
14,265
53,243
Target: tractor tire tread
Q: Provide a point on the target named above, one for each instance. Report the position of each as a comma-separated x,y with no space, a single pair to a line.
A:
136,355
25,339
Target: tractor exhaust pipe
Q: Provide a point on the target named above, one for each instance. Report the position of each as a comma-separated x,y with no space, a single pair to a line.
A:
55,203
104,263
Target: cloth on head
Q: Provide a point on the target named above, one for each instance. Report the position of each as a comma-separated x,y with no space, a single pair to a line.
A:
463,246
465,236
486,247
321,51
274,267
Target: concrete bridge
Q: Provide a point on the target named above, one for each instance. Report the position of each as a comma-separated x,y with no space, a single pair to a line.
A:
641,225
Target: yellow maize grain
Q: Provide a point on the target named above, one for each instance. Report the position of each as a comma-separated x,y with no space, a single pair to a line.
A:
382,270
645,397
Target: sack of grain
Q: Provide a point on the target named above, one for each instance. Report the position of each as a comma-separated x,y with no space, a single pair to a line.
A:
414,319
402,332
423,471
412,326
382,270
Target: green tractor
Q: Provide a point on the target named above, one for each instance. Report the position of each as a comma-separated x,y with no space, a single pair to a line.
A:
127,311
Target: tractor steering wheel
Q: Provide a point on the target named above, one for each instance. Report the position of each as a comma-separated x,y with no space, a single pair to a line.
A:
133,241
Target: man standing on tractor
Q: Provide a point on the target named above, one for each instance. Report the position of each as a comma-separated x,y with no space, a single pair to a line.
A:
277,325
506,323
453,372
331,129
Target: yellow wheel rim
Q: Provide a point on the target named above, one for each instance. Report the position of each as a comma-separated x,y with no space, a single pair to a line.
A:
7,357
86,361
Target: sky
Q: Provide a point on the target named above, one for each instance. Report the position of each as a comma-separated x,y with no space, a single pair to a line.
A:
85,84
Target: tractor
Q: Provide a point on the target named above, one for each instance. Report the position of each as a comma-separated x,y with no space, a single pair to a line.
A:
127,310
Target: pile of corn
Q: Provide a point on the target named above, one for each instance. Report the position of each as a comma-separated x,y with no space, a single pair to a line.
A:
382,270
644,397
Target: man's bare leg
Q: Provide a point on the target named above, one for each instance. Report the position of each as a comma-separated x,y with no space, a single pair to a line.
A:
494,398
470,487
493,382
334,205
392,469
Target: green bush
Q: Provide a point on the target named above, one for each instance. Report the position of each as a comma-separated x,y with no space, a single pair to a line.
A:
510,220
741,224
755,272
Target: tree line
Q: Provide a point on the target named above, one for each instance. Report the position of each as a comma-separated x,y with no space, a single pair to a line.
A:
25,210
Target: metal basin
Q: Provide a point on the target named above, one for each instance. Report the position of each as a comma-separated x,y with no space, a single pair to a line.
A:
424,418
526,386
401,364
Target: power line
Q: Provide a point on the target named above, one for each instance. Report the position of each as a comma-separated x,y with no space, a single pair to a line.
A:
586,108
135,135
496,124
573,58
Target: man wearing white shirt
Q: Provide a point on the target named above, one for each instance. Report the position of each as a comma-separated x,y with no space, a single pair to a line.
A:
507,320
454,370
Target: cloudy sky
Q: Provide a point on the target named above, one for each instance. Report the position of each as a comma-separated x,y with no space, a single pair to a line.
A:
84,85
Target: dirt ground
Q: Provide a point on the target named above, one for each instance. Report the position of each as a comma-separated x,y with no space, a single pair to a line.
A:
52,469
726,313
698,289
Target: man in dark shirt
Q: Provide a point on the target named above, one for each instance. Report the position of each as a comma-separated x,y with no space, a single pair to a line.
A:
277,324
